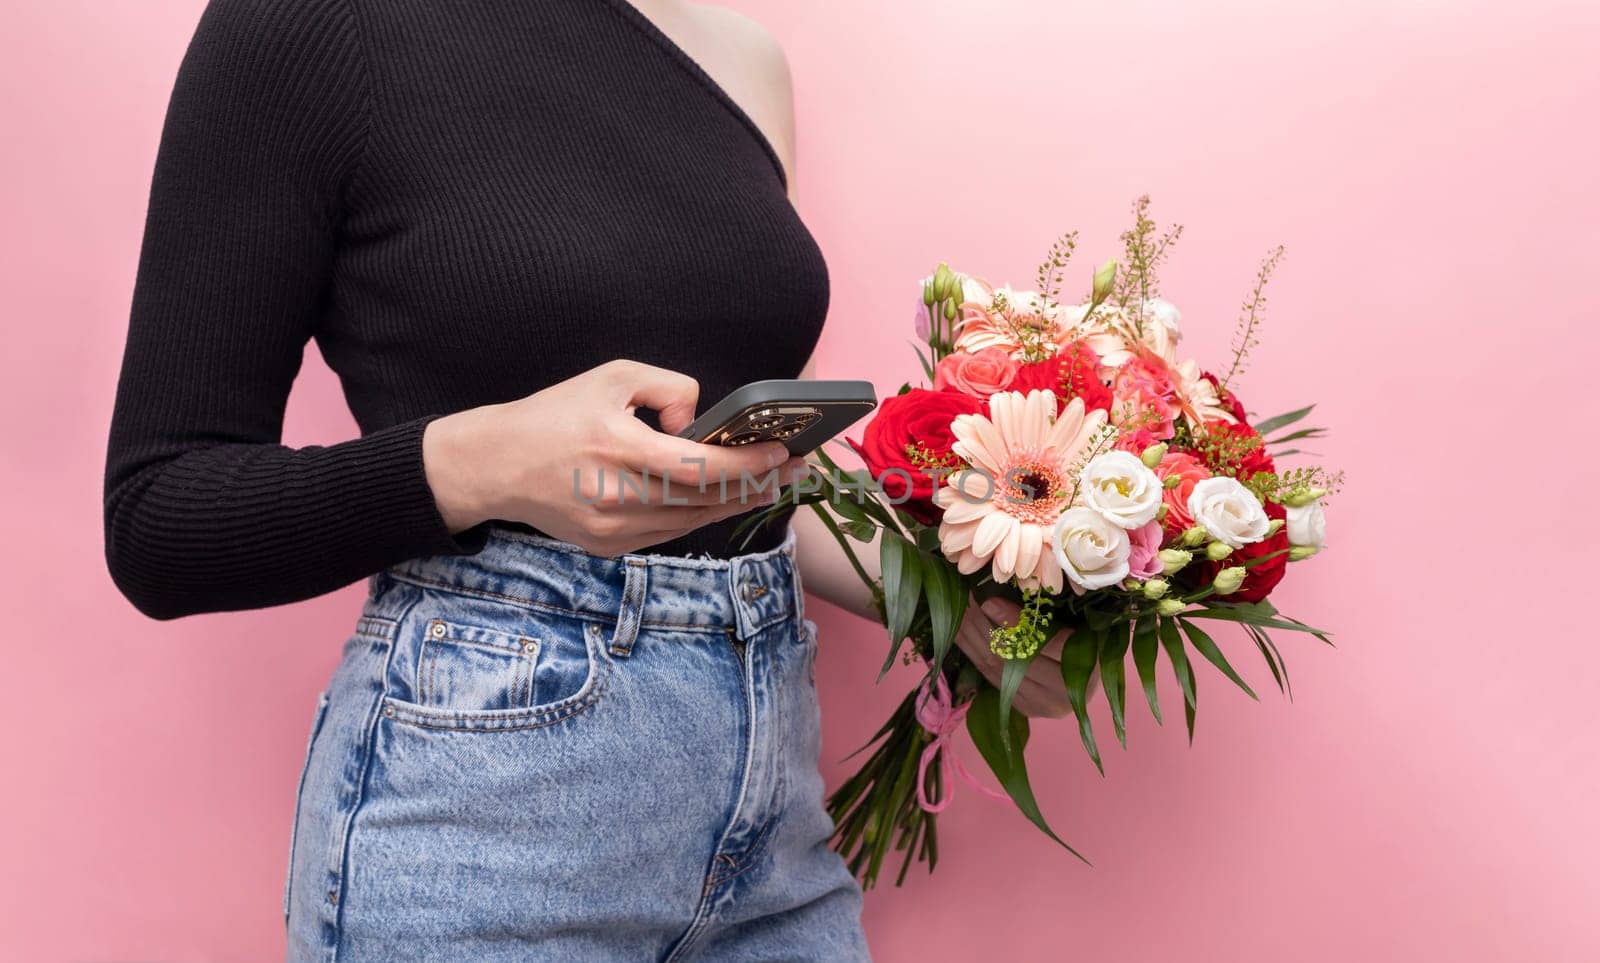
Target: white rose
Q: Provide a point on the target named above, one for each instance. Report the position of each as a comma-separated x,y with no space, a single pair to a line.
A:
1119,486
1092,552
1306,525
1228,511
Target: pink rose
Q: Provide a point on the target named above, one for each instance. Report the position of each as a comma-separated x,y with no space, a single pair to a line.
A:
1144,553
1189,471
1144,398
979,374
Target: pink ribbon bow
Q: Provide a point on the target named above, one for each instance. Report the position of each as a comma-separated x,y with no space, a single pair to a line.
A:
942,719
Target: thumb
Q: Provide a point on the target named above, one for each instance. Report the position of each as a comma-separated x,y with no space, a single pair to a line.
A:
671,394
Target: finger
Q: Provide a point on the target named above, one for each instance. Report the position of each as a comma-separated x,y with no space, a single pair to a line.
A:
671,394
691,463
654,491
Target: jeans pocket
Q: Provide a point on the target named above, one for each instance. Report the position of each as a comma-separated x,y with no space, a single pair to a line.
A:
482,665
299,791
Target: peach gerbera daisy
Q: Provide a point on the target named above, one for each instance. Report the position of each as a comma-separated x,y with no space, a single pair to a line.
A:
1022,458
1017,321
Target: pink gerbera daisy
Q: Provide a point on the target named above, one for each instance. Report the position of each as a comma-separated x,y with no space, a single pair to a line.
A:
1023,457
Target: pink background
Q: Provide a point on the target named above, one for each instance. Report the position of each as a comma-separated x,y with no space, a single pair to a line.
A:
1429,794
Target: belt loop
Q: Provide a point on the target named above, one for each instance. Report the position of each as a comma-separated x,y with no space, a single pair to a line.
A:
632,613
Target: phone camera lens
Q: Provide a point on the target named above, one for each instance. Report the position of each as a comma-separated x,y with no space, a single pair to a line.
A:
788,431
743,438
761,422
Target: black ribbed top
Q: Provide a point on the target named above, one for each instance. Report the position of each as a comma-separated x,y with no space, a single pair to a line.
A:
462,203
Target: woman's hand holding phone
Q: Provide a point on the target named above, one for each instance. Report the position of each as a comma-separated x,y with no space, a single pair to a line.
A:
516,462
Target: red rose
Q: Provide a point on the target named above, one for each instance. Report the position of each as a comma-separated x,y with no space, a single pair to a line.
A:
1073,372
1228,398
1262,579
911,433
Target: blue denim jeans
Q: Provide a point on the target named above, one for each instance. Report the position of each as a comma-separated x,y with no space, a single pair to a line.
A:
534,753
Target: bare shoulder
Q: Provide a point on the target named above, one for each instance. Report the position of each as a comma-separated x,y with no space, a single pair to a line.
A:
756,44
749,62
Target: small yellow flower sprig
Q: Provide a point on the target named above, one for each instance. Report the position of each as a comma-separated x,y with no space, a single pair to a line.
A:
1022,640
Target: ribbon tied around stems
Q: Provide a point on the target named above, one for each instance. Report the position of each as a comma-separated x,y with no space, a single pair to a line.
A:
937,713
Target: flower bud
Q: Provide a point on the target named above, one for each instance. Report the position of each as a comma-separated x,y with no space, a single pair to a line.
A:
1217,551
1171,482
950,310
1161,512
1194,536
1167,608
1300,553
1104,278
1155,588
1228,580
1152,456
927,293
1173,560
1275,526
1301,497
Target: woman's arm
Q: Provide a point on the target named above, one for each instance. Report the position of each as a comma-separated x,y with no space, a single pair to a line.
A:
205,509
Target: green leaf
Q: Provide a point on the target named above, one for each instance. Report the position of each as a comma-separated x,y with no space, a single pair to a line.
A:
1189,707
1250,615
1144,659
1006,758
902,587
1296,436
1280,669
1012,672
1203,644
1078,658
1112,677
947,604
862,531
927,366
1263,428
1173,643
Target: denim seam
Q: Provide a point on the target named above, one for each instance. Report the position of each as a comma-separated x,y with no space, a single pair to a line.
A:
705,907
318,718
546,607
368,749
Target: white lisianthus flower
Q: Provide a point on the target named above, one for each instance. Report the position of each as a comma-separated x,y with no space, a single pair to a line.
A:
1166,314
1119,486
1091,551
1228,511
1306,525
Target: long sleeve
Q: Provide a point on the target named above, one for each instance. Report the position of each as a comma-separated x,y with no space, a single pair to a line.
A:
205,509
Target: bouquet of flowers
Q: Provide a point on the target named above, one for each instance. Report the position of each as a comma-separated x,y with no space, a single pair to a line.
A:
1066,457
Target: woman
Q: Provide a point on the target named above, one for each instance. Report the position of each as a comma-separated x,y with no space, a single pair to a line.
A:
563,727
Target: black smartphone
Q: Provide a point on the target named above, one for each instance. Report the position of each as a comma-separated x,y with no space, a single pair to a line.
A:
801,414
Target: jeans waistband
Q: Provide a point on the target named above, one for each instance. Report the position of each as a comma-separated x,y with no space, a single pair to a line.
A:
742,594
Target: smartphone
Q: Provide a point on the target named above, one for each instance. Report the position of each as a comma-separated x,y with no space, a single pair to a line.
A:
802,414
